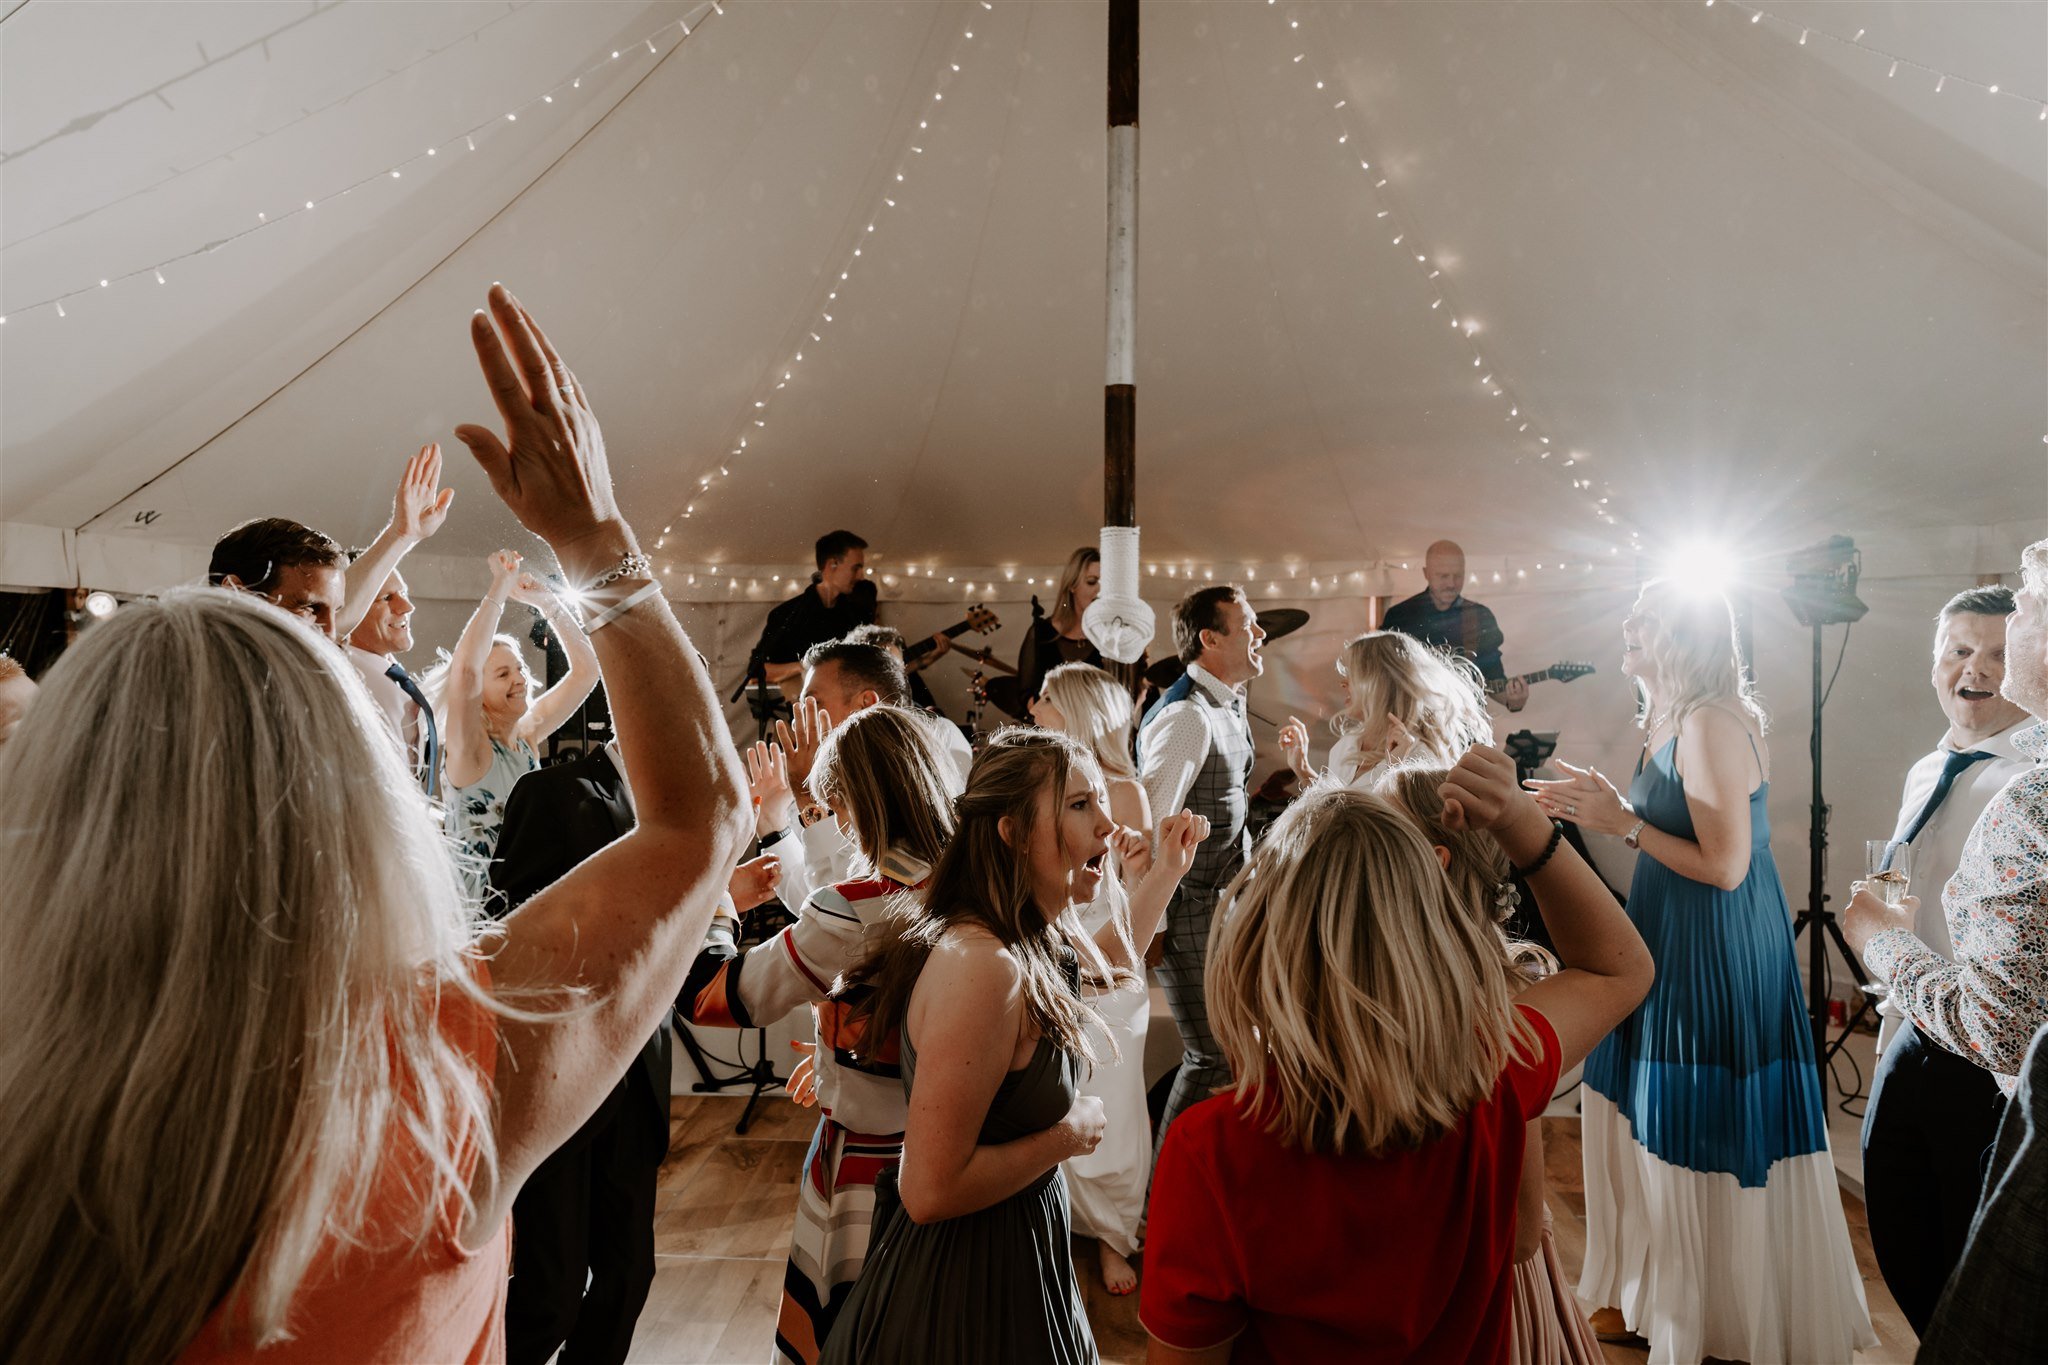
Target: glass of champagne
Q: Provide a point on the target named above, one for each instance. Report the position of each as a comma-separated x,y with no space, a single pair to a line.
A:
1889,878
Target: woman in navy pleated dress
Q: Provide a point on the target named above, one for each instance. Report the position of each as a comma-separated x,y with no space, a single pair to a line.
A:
1714,1224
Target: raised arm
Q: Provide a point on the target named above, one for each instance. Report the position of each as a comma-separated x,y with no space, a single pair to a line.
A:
1607,970
972,995
417,511
624,926
465,742
552,708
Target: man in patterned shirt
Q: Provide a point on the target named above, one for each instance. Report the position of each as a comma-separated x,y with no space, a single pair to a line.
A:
1988,1003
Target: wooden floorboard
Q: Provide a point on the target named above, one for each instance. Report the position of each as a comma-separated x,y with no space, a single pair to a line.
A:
726,1203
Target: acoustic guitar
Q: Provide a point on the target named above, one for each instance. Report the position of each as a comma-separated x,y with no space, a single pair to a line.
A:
979,619
1559,672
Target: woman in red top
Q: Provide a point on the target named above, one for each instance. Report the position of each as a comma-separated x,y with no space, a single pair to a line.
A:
1354,1198
264,1100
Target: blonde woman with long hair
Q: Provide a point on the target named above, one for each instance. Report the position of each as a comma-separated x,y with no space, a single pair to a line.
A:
890,786
1401,698
980,989
491,723
1106,1187
1058,638
1546,1324
1714,1225
270,1086
1385,1079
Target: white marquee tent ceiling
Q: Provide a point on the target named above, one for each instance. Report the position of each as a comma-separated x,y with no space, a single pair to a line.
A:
1737,275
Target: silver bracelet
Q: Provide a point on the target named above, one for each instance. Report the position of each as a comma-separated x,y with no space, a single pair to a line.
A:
632,566
611,614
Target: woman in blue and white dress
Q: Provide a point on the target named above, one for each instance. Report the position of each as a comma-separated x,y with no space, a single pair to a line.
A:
1714,1224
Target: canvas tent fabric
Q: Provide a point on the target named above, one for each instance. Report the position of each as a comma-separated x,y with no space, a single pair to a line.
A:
1751,285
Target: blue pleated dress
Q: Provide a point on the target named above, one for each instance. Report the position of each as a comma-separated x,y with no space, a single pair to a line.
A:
1713,1218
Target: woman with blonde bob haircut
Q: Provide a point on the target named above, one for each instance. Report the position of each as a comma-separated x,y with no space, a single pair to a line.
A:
1713,1223
1548,1327
1385,1080
1401,698
257,1057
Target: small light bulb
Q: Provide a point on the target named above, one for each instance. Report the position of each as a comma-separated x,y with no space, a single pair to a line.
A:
309,203
1940,83
104,283
471,141
1802,37
160,277
511,118
1757,18
430,151
395,175
1894,71
60,309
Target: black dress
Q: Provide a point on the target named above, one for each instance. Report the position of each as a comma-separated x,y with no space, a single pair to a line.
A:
995,1287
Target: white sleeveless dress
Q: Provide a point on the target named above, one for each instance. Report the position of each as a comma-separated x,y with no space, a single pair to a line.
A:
1107,1186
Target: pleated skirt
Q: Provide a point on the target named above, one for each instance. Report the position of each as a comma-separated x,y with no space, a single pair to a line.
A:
1713,1216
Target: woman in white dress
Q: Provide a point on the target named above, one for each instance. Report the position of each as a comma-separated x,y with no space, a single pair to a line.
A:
1107,1186
1401,699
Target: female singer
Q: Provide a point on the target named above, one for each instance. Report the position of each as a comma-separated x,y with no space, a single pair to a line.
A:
1058,639
1400,698
1713,1223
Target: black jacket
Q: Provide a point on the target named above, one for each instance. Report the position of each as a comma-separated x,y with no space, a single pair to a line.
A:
555,818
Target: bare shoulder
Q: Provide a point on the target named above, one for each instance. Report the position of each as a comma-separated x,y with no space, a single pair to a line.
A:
1724,736
1127,802
969,953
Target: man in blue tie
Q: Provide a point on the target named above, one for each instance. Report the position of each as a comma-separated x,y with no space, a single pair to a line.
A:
1932,1115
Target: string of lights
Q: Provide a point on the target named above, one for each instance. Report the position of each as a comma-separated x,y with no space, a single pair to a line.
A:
1530,436
1895,63
753,419
383,77
1163,579
648,45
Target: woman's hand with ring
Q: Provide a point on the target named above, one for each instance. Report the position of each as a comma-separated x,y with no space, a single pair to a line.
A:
1586,798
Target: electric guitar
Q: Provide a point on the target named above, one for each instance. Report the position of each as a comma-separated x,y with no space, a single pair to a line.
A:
1560,672
979,619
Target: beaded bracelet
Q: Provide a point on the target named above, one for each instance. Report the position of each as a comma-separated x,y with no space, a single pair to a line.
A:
632,566
1549,849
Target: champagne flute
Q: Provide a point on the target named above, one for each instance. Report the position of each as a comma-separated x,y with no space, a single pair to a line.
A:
1889,868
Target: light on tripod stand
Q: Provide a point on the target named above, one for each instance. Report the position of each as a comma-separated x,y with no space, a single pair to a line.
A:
1823,591
1823,594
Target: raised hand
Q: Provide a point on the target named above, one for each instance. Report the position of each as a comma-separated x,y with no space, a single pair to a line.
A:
753,882
550,466
1480,792
1133,852
421,504
1399,741
1179,836
1586,798
1294,745
504,567
528,588
768,785
800,737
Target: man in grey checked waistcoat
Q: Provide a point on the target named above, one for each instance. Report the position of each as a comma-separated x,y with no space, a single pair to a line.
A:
1195,752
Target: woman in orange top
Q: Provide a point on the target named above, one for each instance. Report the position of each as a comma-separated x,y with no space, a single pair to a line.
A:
271,1086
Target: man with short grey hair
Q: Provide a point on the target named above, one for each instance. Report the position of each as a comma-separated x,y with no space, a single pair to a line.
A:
1932,1114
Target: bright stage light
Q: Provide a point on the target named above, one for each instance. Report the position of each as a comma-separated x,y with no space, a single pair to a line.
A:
1701,566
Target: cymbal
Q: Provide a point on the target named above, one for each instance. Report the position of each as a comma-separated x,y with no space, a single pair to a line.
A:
1008,696
1282,621
983,658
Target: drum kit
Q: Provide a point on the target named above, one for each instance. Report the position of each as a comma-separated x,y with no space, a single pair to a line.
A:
1005,690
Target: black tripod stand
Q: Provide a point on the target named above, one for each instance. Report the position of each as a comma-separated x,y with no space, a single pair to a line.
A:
1823,593
759,1073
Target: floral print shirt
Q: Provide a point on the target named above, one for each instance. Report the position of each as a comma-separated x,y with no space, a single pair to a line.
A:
1987,1004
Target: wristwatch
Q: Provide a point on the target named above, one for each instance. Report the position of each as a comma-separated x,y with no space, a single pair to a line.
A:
1634,838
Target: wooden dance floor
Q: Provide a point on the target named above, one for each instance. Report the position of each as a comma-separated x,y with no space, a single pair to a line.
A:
726,1203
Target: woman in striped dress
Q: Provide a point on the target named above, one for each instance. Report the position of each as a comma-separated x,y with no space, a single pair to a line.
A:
889,785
